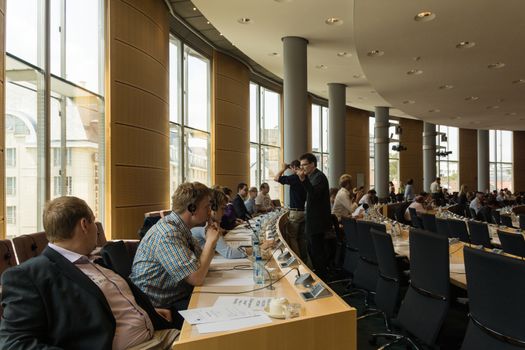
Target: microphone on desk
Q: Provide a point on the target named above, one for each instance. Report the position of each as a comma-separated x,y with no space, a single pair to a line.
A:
305,279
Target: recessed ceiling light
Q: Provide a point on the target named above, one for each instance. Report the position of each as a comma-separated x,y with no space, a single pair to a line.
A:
333,21
471,98
417,58
373,92
220,34
496,65
492,107
321,66
501,100
446,87
425,16
465,44
456,117
282,1
207,22
511,113
357,76
344,54
273,54
244,20
409,102
415,72
375,53
435,110
194,9
519,81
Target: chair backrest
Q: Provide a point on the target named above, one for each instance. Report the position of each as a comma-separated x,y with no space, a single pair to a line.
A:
132,246
495,290
367,272
429,289
149,222
416,220
387,290
506,220
29,246
350,230
496,216
473,213
429,222
276,203
479,233
399,214
442,227
458,229
339,234
7,255
116,257
512,243
101,235
522,221
365,243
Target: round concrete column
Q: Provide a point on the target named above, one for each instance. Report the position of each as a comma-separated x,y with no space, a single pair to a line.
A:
381,144
483,160
336,131
429,155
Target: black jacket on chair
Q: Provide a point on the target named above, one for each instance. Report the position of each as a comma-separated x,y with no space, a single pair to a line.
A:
50,304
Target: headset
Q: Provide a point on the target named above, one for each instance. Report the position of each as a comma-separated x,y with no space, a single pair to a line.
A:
192,207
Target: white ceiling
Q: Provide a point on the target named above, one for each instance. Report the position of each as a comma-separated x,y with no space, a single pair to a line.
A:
497,28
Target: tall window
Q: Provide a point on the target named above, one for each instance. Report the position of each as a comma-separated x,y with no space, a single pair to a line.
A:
371,147
320,136
189,115
265,138
76,107
447,164
500,146
393,156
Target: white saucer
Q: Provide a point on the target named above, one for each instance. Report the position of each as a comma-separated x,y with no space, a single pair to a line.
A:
279,316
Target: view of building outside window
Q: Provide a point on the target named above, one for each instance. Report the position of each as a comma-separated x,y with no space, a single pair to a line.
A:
320,136
500,158
447,166
265,138
76,118
189,115
393,156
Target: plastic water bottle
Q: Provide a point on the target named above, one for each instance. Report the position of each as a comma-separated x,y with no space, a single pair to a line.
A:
256,248
258,271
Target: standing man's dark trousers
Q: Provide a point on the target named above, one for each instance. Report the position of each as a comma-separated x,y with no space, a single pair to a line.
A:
316,249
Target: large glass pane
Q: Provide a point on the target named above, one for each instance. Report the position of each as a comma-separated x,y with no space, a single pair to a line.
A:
270,162
324,118
506,176
325,168
371,178
23,30
254,129
196,162
270,119
394,171
506,146
175,80
316,128
175,157
254,161
492,145
371,133
453,138
492,177
197,90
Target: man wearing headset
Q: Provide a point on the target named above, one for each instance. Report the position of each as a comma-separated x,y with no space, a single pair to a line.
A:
169,262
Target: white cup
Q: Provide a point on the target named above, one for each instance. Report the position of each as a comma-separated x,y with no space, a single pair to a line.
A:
278,306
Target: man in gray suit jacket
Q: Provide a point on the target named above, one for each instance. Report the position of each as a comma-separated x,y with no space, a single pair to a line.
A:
317,215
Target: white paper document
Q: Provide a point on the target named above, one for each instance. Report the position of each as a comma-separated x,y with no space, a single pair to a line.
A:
216,314
254,303
457,268
233,324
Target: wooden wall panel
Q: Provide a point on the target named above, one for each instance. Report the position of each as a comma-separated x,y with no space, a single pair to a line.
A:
230,121
411,160
357,153
2,119
518,160
468,158
137,129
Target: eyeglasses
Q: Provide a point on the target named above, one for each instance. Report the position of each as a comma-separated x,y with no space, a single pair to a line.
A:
304,165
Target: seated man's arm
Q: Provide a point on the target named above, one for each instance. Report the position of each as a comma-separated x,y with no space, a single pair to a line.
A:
208,251
227,250
24,321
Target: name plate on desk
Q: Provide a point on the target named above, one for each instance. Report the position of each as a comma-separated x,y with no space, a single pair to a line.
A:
290,262
316,292
284,256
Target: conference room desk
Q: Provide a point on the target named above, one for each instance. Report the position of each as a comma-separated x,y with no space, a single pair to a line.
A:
325,323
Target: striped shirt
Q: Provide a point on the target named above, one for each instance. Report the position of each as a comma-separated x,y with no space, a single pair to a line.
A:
165,257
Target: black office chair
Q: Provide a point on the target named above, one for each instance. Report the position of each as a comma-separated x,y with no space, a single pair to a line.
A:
389,281
495,289
458,229
522,221
416,220
399,213
429,222
496,216
473,213
512,243
352,252
442,227
116,257
426,302
506,220
479,233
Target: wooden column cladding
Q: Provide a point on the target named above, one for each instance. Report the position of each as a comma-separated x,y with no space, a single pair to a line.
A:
411,160
357,152
2,119
230,122
137,129
468,158
518,160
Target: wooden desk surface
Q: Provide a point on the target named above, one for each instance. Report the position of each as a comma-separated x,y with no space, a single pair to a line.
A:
327,323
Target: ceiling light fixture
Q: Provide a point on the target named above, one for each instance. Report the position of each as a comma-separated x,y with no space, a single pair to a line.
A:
273,54
446,87
207,22
492,107
333,21
471,98
435,110
194,9
511,114
465,44
415,72
244,20
357,76
375,53
417,58
425,16
409,102
321,66
344,54
496,65
519,81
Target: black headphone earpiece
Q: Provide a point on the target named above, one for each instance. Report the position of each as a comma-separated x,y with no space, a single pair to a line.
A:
192,208
213,205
